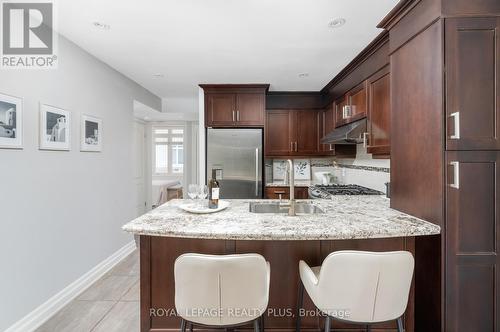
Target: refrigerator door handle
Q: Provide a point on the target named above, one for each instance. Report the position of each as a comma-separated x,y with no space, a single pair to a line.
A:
257,172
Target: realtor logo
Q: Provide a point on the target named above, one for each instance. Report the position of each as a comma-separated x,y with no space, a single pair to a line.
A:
28,35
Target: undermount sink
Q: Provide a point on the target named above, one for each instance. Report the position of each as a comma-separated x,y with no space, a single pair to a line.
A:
300,208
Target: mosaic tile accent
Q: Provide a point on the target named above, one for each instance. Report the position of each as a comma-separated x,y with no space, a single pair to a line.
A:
366,168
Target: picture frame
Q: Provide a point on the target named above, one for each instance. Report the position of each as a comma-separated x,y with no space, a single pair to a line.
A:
11,122
302,169
279,169
90,134
55,128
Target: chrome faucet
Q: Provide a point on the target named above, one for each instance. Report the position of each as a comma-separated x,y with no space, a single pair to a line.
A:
291,182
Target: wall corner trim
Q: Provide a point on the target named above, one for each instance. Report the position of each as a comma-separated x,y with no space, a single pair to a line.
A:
49,308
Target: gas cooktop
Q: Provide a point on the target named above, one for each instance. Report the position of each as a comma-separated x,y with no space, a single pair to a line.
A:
326,191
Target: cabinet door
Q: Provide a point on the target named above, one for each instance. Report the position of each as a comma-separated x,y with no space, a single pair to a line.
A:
472,241
340,119
307,132
327,127
278,130
379,113
358,101
472,83
220,109
277,192
301,193
250,109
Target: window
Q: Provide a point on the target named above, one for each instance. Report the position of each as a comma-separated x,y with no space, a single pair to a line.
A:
169,150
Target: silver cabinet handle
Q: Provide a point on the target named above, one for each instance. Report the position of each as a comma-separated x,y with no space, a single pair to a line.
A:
256,172
296,146
291,146
238,116
233,116
456,175
331,148
365,140
456,119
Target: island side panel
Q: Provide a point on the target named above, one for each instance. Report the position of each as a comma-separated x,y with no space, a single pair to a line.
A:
158,255
284,257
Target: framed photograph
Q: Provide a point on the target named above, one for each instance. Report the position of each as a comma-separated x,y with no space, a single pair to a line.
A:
91,134
302,169
11,122
55,128
279,169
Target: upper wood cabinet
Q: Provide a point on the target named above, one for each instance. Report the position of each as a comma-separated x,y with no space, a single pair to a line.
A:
379,113
220,109
235,105
328,125
307,132
352,106
278,133
292,132
340,114
472,83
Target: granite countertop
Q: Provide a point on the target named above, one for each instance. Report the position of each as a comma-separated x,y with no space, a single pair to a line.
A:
345,217
298,183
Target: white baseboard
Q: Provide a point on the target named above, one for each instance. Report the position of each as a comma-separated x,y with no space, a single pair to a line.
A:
40,315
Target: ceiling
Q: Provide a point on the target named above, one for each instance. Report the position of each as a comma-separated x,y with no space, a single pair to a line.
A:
222,41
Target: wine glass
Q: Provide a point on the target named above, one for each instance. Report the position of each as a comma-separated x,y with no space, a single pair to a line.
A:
202,193
193,191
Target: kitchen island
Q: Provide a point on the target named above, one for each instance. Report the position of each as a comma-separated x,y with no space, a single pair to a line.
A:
347,222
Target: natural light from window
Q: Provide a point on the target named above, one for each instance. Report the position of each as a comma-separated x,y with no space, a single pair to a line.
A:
169,150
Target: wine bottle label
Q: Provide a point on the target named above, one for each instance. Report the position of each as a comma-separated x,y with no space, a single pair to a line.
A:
215,193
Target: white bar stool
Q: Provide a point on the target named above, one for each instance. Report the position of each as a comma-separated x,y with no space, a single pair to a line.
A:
359,287
221,291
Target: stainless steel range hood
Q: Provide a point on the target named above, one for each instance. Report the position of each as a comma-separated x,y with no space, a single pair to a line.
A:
351,133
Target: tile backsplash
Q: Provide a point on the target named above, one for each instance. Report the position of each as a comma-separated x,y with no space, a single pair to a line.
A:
363,170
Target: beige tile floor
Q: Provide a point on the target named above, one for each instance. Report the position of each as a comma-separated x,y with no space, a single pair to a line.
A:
111,304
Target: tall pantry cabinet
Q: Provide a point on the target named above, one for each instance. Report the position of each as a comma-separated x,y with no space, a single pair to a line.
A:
445,155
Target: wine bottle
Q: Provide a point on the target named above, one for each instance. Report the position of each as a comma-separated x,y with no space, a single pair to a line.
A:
213,191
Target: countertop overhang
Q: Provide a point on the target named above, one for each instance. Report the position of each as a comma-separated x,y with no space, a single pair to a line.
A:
345,217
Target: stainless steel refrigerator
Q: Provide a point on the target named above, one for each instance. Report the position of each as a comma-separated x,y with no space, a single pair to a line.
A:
236,155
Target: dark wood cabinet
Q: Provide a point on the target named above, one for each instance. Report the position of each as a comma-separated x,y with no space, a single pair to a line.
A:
328,125
472,83
292,133
358,101
158,255
307,132
250,109
445,155
340,115
278,133
352,106
220,109
472,240
379,114
284,192
234,105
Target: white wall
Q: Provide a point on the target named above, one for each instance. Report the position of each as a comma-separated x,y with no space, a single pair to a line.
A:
61,212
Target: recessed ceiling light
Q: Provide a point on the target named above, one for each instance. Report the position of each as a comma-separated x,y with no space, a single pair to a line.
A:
158,76
303,75
337,23
102,26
